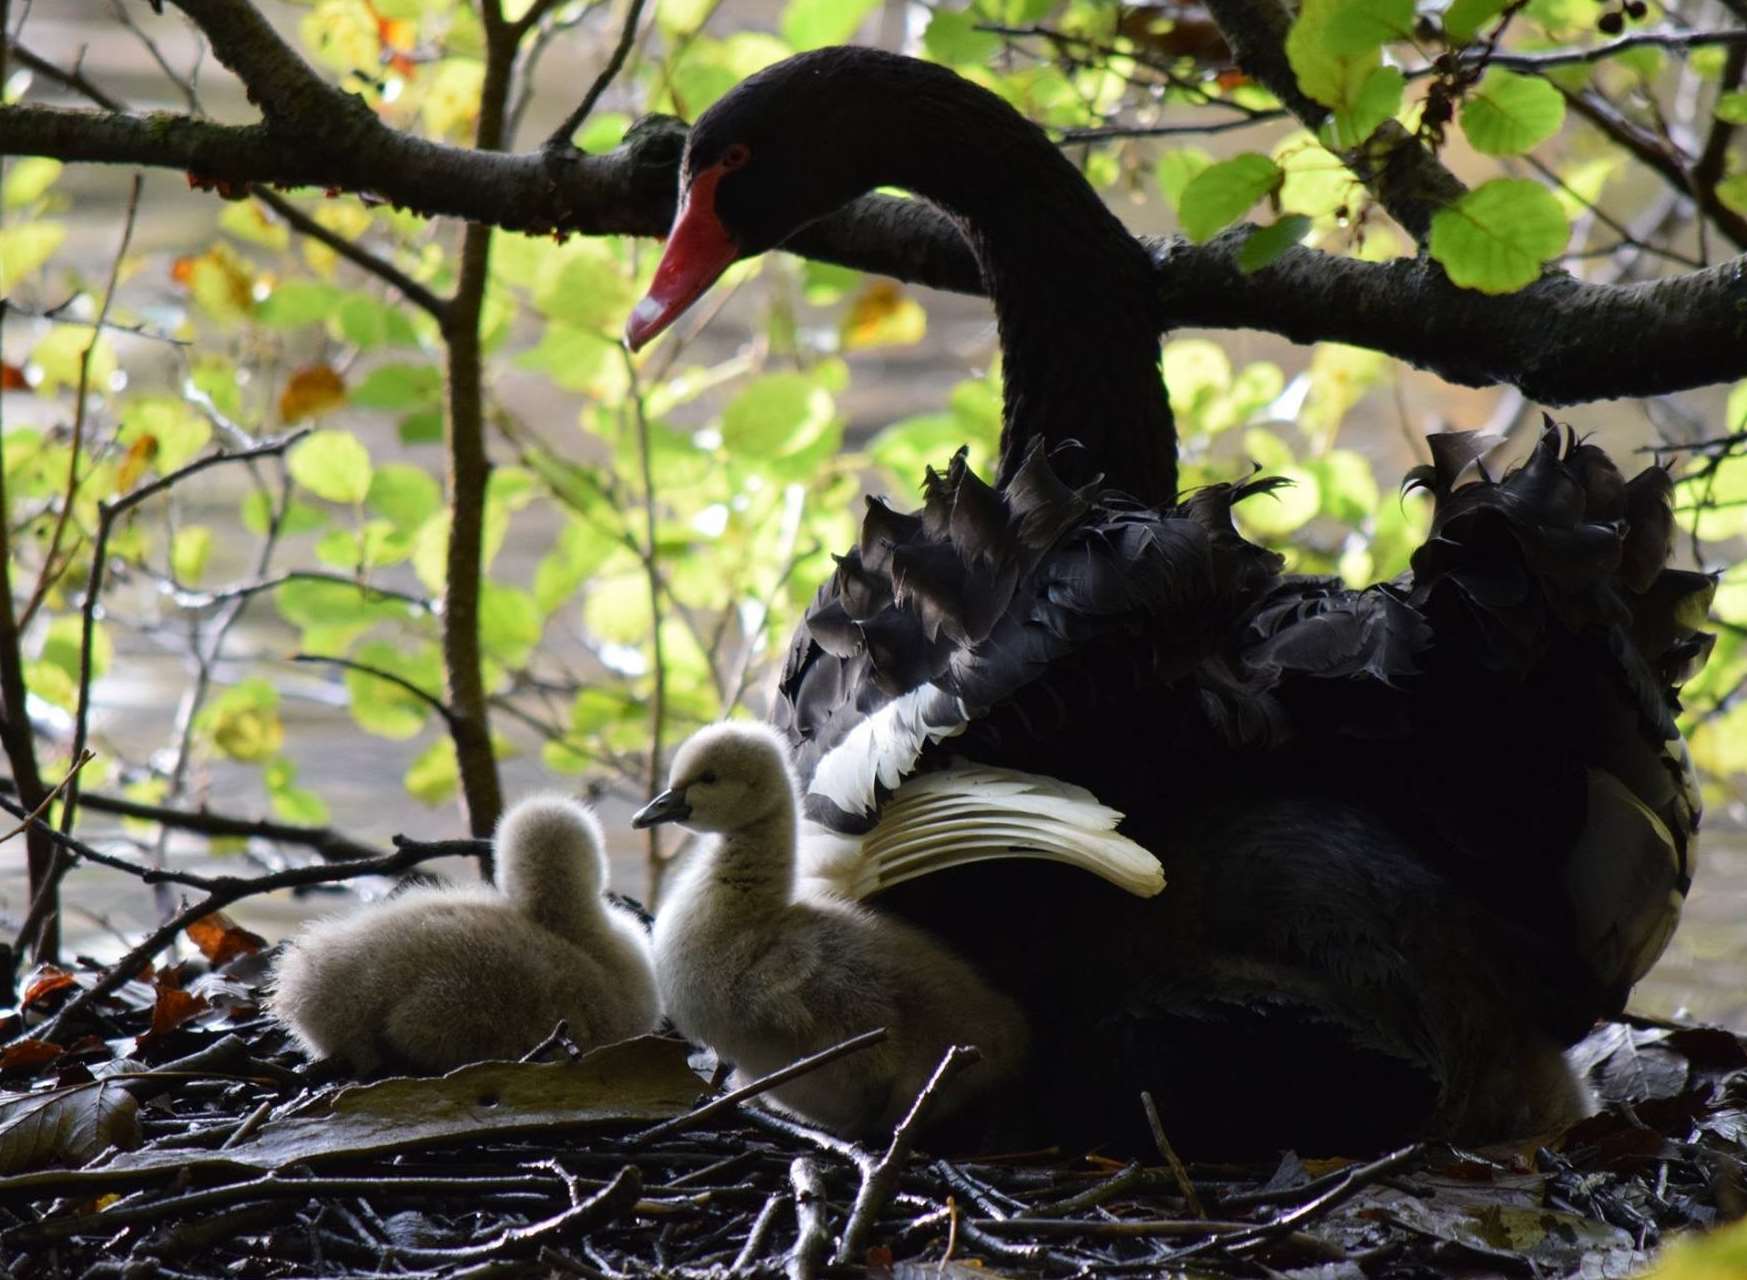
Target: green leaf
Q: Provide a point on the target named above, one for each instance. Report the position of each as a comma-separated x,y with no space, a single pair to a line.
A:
1732,191
433,777
243,722
292,803
64,641
332,464
590,289
177,430
30,176
398,386
509,623
1349,489
257,510
1497,236
366,322
1732,107
294,303
405,494
1509,114
1358,26
1267,243
1462,20
778,414
808,24
602,132
23,250
1221,194
188,553
952,38
1178,166
1378,98
423,427
384,708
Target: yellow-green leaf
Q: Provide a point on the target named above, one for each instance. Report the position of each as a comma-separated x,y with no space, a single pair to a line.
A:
1508,114
332,464
1497,237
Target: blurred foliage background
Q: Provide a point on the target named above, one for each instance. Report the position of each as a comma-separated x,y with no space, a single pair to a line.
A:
266,641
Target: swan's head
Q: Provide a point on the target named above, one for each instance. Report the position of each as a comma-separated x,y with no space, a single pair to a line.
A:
550,846
782,149
724,778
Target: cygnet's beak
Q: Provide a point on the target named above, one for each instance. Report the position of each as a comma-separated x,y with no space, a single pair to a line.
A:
669,806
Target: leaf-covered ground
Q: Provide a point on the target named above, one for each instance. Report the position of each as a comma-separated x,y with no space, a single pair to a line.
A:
176,1134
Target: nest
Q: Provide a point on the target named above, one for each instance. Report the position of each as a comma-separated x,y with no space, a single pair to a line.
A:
169,1130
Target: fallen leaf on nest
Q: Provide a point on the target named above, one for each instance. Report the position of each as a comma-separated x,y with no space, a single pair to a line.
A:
28,1053
222,939
45,980
65,1126
636,1082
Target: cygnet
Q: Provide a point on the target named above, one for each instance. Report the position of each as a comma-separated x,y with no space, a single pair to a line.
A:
766,975
437,977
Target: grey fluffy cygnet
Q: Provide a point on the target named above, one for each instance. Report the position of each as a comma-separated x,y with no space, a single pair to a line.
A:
437,977
766,975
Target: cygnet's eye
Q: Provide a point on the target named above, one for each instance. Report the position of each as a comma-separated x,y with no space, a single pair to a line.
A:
737,154
706,778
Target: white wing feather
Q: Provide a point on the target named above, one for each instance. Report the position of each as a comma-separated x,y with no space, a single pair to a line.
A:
974,813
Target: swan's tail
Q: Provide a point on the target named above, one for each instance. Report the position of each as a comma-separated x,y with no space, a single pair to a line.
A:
1553,579
973,813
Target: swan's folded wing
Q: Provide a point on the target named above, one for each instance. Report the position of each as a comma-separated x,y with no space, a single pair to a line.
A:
967,814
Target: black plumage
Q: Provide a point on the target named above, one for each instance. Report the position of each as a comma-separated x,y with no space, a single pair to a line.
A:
1416,837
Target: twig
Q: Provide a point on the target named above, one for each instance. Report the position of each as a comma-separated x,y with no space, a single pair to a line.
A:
1351,1181
42,899
107,514
1169,1153
203,599
753,1247
352,252
559,141
812,1233
691,1119
560,1035
35,815
52,565
400,682
226,890
327,842
880,1179
1676,40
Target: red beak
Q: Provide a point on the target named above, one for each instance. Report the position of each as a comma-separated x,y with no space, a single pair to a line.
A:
699,249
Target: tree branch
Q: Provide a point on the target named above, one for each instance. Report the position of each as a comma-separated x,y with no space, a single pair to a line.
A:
1644,339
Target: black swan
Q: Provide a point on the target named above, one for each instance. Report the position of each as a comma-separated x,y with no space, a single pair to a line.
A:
765,975
1416,838
441,976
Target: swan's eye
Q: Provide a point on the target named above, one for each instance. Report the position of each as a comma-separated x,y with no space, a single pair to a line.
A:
706,778
736,155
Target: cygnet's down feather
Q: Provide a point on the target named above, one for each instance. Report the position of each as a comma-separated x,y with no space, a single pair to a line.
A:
437,977
765,973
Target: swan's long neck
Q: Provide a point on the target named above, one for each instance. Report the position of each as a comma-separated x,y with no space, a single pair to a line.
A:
1075,295
755,864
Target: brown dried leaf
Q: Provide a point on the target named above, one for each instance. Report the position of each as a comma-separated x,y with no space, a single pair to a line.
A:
12,378
310,392
45,980
883,316
28,1053
222,939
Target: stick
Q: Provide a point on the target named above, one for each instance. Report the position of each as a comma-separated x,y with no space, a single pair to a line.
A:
812,1234
764,1083
1170,1154
880,1179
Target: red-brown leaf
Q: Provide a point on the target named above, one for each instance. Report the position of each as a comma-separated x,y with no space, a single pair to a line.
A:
45,980
222,939
28,1053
